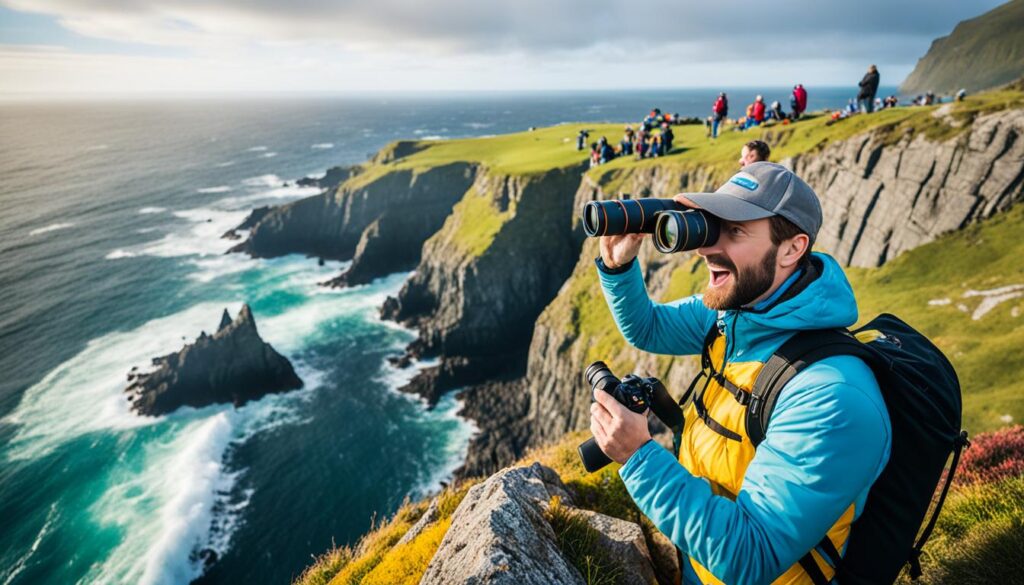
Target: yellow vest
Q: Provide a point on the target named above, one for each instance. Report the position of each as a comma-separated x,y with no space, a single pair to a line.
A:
709,453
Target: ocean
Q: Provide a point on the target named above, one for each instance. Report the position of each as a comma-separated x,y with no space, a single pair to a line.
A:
110,254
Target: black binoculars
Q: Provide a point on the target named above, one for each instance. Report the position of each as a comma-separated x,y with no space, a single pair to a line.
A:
676,227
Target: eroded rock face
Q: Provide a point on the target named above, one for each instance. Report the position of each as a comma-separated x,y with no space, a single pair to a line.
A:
499,534
880,199
379,224
234,365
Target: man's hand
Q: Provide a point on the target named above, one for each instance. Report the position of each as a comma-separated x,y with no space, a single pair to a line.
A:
619,431
618,250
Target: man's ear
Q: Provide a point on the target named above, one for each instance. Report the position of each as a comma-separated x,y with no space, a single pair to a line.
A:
791,250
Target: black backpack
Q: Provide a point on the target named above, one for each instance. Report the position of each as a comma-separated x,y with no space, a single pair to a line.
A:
922,394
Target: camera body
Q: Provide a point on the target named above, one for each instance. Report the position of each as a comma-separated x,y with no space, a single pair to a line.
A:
635,393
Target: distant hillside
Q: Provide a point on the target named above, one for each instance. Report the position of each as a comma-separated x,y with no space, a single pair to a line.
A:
981,53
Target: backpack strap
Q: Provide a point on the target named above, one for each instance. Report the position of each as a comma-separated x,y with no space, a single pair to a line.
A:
959,445
801,350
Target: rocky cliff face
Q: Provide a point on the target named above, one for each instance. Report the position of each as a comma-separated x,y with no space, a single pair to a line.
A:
379,223
486,275
882,196
233,365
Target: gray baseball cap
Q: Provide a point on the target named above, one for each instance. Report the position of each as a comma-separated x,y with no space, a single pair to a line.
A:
764,189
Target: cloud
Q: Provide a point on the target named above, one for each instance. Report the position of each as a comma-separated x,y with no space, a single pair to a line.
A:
460,44
731,27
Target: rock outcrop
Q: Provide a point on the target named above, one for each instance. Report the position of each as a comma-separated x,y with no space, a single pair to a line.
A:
234,365
500,533
882,196
378,223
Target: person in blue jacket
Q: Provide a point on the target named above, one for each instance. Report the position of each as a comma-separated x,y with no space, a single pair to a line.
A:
741,515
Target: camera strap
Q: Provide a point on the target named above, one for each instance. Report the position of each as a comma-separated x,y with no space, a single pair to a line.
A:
667,410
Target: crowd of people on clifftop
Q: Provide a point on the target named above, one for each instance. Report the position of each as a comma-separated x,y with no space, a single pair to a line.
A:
654,136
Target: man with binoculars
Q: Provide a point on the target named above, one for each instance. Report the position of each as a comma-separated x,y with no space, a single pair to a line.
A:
780,512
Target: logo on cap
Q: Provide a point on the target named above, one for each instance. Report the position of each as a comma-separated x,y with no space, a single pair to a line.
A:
746,183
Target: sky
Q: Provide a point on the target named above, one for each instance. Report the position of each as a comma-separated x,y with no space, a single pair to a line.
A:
83,48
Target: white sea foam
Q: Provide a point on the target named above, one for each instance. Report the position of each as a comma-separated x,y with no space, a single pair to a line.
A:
323,145
151,210
201,238
263,181
454,449
218,189
246,201
257,149
224,164
268,155
19,565
50,228
479,125
119,253
434,137
85,393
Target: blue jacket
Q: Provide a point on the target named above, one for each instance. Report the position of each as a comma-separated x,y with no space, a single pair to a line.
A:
827,441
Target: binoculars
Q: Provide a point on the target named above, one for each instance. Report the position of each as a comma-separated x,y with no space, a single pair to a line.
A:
675,227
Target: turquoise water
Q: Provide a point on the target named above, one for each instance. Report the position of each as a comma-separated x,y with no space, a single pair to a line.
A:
110,255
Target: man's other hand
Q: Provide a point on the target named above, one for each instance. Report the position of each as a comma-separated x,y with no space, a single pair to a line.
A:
619,432
618,250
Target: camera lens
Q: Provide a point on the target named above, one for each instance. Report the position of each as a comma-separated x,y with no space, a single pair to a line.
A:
599,377
678,231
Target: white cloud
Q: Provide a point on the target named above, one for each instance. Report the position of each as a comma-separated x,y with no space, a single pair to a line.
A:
344,45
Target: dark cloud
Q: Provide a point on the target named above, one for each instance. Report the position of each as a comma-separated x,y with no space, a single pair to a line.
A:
710,31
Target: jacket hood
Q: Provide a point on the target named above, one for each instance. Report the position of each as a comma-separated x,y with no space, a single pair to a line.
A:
820,298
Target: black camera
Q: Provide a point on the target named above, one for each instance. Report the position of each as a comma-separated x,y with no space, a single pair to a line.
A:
635,393
676,228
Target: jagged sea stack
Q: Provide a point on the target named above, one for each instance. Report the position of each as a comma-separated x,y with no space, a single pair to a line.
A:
233,365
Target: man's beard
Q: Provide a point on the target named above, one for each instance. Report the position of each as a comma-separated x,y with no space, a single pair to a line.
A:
746,285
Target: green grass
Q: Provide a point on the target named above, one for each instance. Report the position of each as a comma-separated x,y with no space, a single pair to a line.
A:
376,559
580,543
473,223
985,352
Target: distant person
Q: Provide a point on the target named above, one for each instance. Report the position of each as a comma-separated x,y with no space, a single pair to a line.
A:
607,152
868,89
798,103
720,110
754,151
776,113
627,141
756,112
581,139
667,136
851,107
960,95
595,155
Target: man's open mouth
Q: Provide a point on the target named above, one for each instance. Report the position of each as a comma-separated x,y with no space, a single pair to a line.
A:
719,276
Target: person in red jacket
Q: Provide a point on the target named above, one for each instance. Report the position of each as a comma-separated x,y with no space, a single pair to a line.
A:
720,111
756,109
799,101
